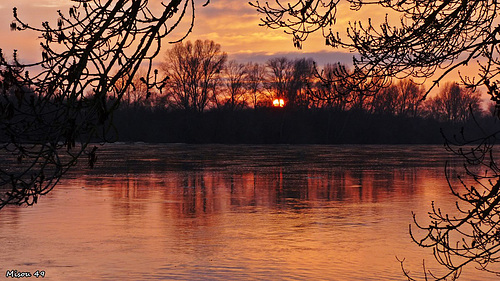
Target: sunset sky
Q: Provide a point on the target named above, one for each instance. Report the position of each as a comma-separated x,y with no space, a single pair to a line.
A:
232,23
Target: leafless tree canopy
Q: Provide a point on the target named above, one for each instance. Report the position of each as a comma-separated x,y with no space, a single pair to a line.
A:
454,103
235,74
254,81
50,110
192,69
430,35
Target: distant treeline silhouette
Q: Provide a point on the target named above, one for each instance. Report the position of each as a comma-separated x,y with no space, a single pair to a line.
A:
199,78
268,125
207,99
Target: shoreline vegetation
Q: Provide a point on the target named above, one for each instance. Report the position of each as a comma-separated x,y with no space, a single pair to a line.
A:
268,125
204,98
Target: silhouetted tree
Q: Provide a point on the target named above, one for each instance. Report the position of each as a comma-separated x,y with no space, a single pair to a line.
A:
254,82
137,93
234,75
454,103
430,35
410,97
280,73
302,80
192,70
331,90
291,80
386,101
401,98
52,109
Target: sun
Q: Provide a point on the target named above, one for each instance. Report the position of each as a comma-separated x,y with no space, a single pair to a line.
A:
278,103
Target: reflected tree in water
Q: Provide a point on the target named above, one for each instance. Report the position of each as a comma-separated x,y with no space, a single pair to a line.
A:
429,36
52,109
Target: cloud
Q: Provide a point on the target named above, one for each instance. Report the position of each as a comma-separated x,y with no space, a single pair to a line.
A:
223,8
232,23
31,6
52,3
321,58
236,26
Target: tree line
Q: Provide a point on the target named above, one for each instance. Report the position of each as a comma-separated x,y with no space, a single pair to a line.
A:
199,77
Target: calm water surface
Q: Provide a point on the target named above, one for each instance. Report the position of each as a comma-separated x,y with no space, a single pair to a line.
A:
214,212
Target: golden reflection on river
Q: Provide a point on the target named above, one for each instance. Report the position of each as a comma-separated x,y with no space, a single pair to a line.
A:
250,222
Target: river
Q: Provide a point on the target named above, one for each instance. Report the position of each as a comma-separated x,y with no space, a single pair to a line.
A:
232,212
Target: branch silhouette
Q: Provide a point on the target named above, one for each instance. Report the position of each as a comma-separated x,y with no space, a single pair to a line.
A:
52,109
430,36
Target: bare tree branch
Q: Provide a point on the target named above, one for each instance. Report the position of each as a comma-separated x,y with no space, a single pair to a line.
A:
52,109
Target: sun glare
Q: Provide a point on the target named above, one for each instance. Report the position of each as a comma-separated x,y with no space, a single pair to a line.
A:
278,103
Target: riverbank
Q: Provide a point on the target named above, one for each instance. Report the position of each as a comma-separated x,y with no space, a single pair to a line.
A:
278,125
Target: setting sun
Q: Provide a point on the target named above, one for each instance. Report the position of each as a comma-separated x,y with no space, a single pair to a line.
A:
278,103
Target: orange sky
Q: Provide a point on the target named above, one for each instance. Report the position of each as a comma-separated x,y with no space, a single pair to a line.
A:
232,23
